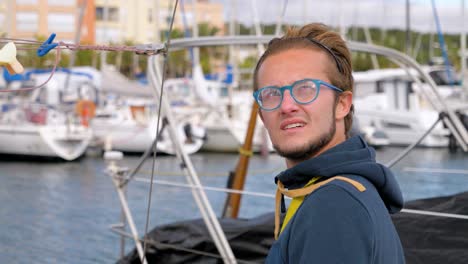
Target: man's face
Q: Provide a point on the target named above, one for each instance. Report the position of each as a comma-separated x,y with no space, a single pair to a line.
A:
298,131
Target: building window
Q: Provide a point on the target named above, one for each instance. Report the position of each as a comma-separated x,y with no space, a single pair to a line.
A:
150,15
27,21
106,35
113,13
61,22
27,2
188,17
164,16
99,13
61,2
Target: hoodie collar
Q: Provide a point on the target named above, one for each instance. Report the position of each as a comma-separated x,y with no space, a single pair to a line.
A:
351,157
352,150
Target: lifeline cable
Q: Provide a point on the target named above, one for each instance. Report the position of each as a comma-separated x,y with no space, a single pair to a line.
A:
57,59
266,195
158,125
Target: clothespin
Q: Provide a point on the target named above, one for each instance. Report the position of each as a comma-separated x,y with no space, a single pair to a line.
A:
47,46
8,59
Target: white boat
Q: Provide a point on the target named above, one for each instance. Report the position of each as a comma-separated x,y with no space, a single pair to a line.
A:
38,123
224,114
128,123
389,100
131,127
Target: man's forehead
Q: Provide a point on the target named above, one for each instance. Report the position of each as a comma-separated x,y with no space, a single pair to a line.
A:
293,64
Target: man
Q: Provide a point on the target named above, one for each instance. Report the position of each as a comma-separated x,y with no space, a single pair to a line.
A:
341,197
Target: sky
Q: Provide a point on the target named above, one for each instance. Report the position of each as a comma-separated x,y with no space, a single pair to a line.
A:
373,13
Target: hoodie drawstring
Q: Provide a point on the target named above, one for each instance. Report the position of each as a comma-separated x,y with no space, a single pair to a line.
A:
281,191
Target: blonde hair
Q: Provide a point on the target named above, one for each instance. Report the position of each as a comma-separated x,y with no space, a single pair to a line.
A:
318,37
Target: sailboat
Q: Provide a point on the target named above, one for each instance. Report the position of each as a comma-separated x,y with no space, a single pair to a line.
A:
224,115
45,122
126,119
396,102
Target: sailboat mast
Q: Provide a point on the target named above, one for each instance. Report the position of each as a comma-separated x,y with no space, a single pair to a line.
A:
408,29
231,209
196,50
232,58
463,47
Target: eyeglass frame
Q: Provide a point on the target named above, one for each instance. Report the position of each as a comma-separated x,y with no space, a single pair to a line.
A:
318,83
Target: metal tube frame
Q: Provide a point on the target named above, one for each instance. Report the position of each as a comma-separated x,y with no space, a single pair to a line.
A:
208,215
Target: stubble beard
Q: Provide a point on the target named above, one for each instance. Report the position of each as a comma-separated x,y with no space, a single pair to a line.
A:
311,148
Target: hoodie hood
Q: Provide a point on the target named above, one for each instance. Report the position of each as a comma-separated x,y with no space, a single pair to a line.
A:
352,157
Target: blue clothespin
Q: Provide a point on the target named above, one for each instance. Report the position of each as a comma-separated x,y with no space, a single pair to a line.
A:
47,46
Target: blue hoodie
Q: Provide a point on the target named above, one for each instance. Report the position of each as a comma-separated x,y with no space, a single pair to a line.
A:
337,223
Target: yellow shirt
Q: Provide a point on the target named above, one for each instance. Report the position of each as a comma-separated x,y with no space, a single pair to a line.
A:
295,203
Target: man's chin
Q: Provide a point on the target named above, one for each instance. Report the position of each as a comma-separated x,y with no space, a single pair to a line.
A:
305,151
298,153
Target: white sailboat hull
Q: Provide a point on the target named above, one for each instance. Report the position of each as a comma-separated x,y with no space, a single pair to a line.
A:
130,136
48,141
221,139
403,128
230,138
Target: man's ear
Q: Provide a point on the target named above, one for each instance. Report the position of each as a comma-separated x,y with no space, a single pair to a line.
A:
345,101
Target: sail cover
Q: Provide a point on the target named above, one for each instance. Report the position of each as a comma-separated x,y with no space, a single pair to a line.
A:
425,239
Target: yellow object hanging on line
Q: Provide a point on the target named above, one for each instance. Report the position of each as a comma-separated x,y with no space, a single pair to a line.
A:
8,59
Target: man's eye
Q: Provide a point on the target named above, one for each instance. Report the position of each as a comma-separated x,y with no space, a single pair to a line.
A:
304,87
270,93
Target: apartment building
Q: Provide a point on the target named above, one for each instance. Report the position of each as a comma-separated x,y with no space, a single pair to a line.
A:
3,18
104,21
32,18
140,20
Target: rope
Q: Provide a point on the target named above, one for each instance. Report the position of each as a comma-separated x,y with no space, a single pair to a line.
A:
142,50
57,59
149,49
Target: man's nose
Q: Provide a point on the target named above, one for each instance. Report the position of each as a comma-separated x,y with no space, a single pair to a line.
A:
288,104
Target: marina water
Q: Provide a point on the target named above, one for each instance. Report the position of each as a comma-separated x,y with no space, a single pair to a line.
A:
60,212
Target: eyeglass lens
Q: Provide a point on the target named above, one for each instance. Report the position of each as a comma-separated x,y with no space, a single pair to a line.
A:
303,92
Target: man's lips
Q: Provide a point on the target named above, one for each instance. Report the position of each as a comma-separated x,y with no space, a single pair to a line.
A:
292,123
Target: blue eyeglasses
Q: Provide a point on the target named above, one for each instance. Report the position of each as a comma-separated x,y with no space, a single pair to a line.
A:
303,91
